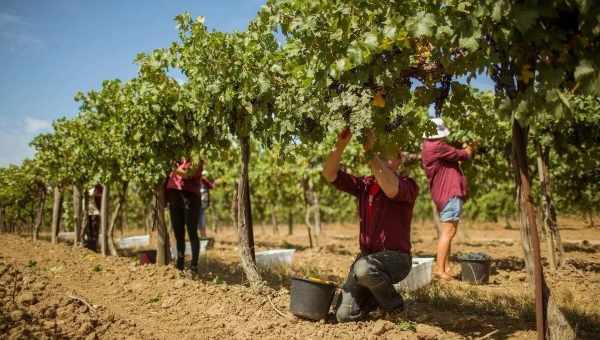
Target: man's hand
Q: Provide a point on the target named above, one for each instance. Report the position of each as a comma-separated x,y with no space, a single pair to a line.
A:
344,137
475,145
369,140
470,148
182,170
332,164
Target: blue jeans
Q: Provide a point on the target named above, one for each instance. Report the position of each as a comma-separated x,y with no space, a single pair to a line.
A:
370,284
452,210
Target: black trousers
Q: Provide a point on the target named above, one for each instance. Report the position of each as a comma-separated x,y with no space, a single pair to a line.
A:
184,208
90,238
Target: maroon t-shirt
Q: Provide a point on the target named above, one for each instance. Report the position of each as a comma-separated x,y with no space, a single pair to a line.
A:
191,184
207,183
446,179
384,222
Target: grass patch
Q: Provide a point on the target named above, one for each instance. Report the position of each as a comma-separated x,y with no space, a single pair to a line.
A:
514,305
154,299
407,325
287,245
97,268
280,272
31,264
470,298
312,271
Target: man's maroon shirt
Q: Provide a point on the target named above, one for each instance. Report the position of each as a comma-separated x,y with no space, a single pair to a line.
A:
389,227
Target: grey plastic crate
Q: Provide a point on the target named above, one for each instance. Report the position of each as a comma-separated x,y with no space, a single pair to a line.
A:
275,257
188,248
419,276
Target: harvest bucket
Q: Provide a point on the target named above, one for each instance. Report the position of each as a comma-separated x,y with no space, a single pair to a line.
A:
311,298
147,256
475,271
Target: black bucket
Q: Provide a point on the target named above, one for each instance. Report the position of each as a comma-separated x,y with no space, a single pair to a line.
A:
147,256
311,299
475,271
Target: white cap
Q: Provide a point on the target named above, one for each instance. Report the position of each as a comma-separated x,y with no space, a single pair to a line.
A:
442,130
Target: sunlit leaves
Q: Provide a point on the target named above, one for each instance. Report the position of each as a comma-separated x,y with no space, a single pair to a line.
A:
525,17
584,69
323,75
423,25
237,73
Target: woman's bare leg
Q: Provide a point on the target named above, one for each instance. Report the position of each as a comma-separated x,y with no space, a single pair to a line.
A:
443,249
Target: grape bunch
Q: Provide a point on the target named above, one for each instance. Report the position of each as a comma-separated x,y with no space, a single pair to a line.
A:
394,124
346,116
474,257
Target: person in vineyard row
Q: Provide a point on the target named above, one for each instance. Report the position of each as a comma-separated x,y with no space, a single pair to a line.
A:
385,207
448,187
205,187
90,236
183,197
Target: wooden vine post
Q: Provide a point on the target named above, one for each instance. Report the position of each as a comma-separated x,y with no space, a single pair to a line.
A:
531,241
555,247
56,214
104,220
77,215
163,246
39,215
244,218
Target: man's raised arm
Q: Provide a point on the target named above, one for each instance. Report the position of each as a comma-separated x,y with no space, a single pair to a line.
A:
387,179
332,164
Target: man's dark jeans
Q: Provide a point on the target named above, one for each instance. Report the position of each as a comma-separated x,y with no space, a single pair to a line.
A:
184,208
370,283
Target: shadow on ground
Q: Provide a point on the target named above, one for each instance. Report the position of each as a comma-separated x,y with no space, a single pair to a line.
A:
509,263
472,313
214,270
584,247
469,312
584,265
587,326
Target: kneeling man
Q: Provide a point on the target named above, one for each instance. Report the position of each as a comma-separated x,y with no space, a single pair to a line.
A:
385,205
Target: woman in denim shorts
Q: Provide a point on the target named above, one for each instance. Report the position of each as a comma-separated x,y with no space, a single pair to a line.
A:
448,187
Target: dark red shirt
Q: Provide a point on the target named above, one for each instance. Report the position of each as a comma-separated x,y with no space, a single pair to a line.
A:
207,183
384,222
191,184
446,179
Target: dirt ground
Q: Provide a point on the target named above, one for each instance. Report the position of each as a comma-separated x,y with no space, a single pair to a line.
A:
57,291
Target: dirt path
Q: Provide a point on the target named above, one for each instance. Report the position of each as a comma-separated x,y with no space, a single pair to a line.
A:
45,289
147,302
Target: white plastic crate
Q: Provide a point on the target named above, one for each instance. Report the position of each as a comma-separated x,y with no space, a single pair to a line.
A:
66,235
419,276
134,241
188,248
275,257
